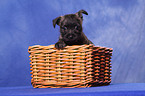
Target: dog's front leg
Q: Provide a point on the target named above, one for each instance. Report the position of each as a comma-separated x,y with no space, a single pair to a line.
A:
60,44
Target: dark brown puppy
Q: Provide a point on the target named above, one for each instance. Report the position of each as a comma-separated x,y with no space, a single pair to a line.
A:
71,30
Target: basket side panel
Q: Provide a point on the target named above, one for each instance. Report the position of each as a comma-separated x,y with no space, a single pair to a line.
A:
53,68
102,66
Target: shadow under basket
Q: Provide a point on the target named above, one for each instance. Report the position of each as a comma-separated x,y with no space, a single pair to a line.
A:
73,66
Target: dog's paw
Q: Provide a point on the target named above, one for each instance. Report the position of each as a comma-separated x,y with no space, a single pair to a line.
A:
60,45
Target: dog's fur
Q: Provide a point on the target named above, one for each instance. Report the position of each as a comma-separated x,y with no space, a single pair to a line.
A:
71,30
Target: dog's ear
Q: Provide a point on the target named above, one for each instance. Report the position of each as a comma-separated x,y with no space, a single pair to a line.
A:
79,14
56,21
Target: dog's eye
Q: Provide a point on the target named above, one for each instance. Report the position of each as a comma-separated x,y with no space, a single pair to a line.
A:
76,27
64,28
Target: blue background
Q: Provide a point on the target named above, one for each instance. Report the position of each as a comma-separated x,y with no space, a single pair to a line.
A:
118,24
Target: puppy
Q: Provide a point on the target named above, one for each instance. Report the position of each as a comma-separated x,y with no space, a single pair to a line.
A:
71,31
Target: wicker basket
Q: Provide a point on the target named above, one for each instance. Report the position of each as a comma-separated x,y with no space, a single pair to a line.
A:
74,66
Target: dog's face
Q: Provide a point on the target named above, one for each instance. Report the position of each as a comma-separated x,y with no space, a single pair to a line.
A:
70,26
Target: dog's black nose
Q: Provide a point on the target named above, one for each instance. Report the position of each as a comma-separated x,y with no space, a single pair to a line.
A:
70,36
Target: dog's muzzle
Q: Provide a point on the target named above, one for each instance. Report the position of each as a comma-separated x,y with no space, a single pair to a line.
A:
71,36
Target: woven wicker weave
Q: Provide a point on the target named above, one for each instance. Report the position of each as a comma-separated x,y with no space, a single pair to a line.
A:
74,66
